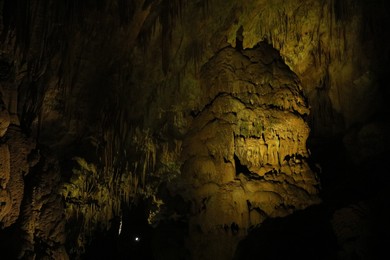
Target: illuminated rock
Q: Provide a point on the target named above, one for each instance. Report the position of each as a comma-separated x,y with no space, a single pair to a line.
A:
245,157
4,166
4,121
18,152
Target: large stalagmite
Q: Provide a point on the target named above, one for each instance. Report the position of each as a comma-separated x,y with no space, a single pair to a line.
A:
245,156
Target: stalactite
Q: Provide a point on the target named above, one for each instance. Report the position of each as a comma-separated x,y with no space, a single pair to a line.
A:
194,52
126,10
204,6
167,22
171,11
341,9
167,13
23,23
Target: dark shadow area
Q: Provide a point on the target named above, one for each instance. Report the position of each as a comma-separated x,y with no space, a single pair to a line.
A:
243,169
138,240
132,242
8,245
305,234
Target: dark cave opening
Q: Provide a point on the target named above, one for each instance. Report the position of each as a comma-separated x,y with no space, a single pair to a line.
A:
132,237
240,168
243,169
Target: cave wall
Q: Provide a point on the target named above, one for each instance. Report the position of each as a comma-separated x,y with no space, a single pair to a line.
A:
213,100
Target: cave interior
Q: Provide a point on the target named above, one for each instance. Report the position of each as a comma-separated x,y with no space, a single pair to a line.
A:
205,129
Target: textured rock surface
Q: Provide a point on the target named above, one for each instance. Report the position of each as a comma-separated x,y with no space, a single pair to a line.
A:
42,222
245,156
4,121
15,156
4,166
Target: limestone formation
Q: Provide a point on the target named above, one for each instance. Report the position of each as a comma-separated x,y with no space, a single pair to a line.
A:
4,166
42,224
246,158
6,204
17,152
4,122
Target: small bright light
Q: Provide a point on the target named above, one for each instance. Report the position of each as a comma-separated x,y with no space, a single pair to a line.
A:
136,239
120,227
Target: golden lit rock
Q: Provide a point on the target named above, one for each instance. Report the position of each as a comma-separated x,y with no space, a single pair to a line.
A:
244,125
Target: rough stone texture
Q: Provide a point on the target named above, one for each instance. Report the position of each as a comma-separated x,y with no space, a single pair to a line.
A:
19,149
325,44
4,166
245,157
4,121
42,220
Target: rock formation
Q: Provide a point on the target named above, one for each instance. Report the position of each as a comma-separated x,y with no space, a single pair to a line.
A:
42,221
245,156
15,167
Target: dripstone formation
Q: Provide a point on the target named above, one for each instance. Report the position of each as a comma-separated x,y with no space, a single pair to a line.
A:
245,156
